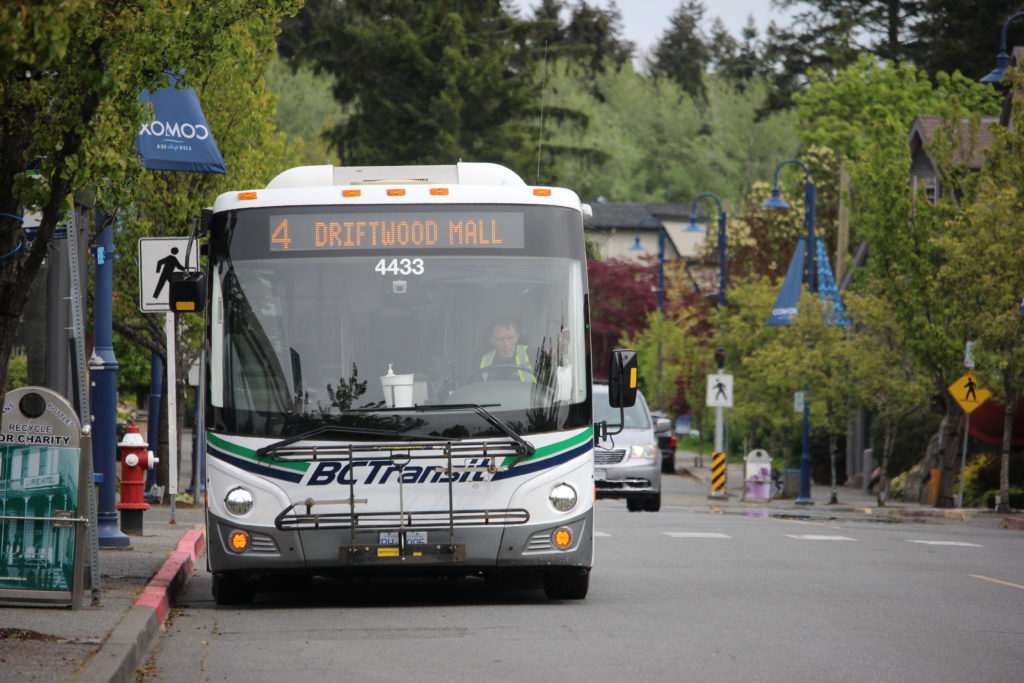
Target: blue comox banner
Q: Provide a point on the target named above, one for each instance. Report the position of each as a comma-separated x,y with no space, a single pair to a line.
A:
785,308
177,138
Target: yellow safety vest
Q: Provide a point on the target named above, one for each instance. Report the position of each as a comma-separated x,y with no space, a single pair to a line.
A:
521,358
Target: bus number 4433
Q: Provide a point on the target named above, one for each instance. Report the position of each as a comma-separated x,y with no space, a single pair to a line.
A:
399,266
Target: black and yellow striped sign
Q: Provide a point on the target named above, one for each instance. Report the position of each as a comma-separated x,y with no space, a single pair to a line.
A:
717,473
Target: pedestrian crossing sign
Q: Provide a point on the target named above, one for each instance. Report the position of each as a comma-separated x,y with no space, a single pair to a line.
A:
968,393
159,258
719,393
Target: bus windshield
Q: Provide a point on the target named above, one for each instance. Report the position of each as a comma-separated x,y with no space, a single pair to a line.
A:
306,336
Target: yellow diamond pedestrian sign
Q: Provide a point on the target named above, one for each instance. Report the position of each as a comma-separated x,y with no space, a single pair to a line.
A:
967,393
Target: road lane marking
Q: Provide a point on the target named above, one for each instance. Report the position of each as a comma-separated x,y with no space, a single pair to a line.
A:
695,534
959,543
1004,583
804,521
601,534
818,537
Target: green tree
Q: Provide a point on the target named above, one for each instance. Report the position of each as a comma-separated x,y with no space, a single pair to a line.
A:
887,378
429,82
962,35
70,77
306,109
982,265
239,107
682,55
874,103
660,145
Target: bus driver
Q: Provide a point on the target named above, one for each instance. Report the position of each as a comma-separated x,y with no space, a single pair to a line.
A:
507,352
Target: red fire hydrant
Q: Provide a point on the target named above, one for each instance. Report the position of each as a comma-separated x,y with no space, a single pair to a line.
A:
136,458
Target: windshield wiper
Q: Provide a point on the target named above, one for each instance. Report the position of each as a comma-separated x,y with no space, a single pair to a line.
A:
524,447
338,429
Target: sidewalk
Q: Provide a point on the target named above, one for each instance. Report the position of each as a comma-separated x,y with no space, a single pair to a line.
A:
852,503
107,642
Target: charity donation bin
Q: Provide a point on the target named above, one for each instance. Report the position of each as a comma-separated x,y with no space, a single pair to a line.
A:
43,510
757,475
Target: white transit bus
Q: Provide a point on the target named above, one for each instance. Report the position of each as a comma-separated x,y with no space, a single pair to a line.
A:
355,417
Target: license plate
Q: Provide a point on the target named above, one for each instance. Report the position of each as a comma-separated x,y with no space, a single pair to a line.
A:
600,474
411,538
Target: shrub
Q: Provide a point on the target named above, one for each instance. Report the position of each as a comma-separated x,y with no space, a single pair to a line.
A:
17,372
1016,498
981,476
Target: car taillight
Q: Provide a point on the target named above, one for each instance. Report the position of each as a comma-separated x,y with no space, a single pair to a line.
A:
672,441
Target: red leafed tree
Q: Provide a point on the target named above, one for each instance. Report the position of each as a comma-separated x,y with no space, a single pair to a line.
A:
622,293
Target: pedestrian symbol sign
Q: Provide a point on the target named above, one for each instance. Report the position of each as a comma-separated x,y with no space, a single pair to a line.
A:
967,393
719,391
159,258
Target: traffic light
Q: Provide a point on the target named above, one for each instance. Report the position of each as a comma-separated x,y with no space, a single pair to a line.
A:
720,357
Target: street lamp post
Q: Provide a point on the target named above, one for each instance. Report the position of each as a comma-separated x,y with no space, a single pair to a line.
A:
1003,58
693,227
811,279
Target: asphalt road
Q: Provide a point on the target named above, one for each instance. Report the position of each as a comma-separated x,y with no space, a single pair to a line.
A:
676,595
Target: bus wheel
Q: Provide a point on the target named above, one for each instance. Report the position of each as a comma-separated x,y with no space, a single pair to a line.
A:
567,583
232,590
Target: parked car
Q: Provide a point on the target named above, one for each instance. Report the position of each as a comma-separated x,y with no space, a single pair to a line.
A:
627,464
667,442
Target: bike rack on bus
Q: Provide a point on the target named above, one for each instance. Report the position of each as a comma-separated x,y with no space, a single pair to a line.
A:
401,522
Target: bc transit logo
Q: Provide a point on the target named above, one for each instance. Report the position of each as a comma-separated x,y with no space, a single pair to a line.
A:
376,472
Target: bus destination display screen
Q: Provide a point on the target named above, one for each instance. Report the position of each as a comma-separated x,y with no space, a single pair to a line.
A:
463,229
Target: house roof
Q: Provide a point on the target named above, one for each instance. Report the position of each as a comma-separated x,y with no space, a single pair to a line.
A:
628,214
924,128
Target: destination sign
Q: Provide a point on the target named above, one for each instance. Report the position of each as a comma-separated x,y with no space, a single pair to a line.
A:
484,229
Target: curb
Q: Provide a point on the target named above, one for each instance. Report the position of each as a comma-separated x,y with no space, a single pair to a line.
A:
128,645
1014,523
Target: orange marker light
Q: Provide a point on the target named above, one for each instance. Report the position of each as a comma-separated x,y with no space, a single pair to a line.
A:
438,191
542,191
239,540
247,195
396,192
351,193
562,538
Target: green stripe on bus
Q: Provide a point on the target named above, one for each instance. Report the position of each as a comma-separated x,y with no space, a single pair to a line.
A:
554,448
249,454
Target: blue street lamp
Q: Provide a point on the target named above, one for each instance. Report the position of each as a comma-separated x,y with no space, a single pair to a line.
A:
662,232
811,279
1003,58
693,227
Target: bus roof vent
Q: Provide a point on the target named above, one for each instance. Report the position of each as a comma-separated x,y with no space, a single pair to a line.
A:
462,173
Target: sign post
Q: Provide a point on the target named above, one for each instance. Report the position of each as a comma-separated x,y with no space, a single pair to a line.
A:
719,396
969,395
44,482
159,259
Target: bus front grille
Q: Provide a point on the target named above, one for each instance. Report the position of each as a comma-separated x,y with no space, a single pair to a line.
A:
295,519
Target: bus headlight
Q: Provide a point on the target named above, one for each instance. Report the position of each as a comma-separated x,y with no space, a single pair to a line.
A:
639,451
238,501
563,497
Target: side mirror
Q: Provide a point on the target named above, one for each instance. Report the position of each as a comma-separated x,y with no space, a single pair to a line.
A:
188,292
205,221
622,378
662,425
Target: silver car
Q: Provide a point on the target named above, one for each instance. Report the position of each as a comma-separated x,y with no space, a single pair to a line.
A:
627,464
